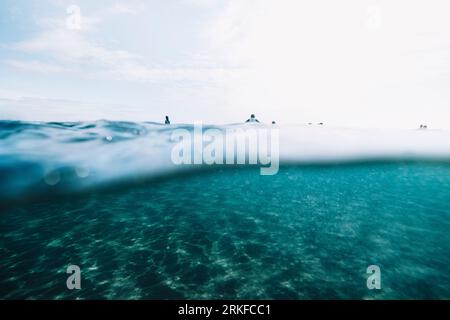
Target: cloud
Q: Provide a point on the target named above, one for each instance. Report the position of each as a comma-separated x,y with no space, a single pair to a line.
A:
71,51
71,46
287,60
49,109
204,3
88,23
127,8
34,66
55,48
329,61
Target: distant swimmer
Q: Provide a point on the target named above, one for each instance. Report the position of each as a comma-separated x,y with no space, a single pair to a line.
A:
167,120
252,119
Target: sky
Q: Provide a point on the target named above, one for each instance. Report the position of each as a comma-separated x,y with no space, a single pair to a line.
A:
360,63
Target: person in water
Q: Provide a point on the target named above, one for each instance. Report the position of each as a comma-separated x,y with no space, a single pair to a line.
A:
252,119
167,120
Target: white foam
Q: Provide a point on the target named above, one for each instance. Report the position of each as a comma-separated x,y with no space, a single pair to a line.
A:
142,150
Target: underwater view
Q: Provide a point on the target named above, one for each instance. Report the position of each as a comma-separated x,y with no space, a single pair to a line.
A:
207,159
102,196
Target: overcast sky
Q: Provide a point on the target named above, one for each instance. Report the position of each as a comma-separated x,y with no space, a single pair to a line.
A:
352,62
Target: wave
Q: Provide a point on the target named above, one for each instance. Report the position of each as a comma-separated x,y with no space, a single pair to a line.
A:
49,158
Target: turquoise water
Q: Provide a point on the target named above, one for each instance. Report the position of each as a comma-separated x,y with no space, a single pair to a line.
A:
309,232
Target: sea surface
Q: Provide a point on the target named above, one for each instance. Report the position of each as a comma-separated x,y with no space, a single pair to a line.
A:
104,196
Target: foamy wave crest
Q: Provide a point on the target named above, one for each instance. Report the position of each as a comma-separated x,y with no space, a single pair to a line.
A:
39,159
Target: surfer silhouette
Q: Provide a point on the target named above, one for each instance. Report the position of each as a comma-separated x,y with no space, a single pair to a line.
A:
167,120
252,119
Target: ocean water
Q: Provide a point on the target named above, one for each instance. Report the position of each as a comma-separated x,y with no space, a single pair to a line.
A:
104,196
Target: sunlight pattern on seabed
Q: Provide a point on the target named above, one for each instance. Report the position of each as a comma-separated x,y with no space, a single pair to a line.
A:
306,233
105,196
